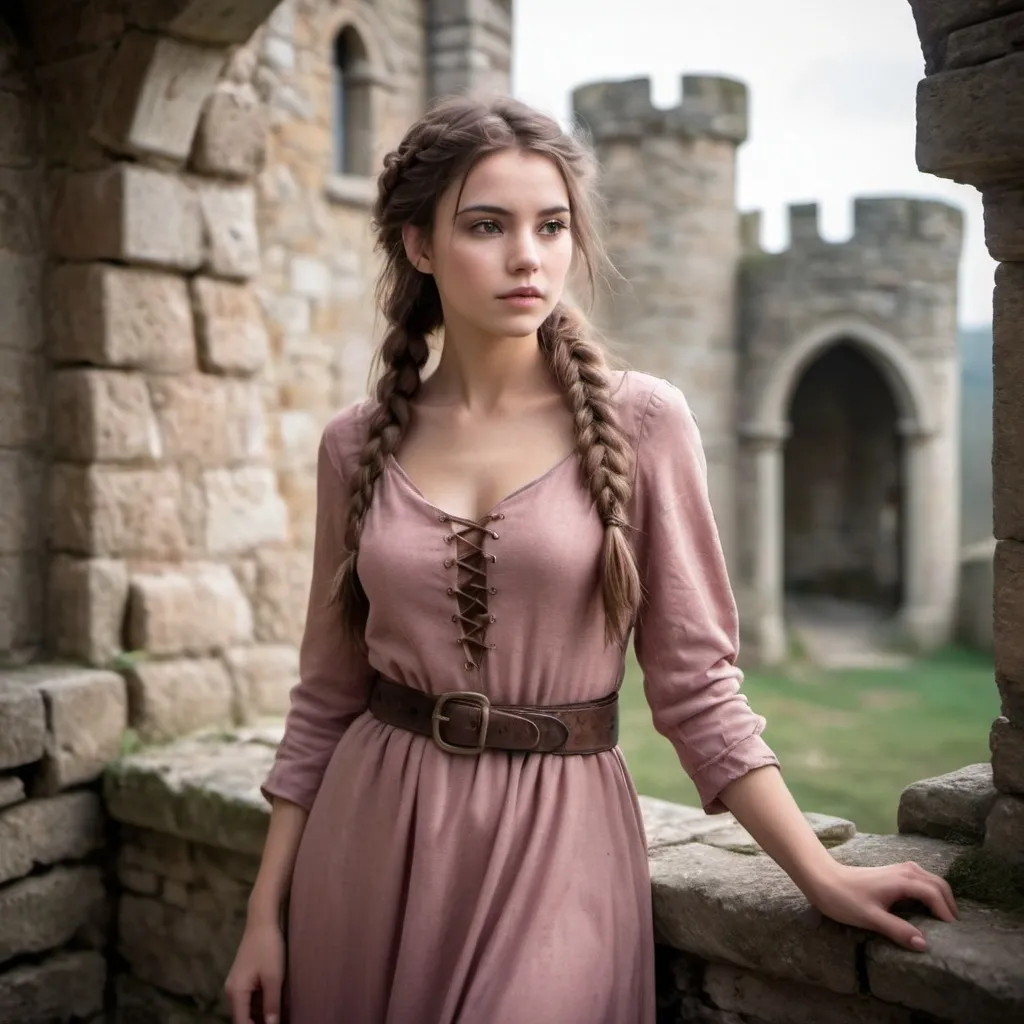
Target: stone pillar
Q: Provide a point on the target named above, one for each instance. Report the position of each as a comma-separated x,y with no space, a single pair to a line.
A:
470,46
971,129
767,613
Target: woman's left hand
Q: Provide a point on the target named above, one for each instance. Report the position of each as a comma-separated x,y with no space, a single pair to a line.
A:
862,897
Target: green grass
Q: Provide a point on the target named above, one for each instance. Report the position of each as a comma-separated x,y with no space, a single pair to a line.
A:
850,741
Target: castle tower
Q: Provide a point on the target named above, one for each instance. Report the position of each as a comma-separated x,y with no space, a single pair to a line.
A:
849,388
669,182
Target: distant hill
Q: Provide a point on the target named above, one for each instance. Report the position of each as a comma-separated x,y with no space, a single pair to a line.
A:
976,432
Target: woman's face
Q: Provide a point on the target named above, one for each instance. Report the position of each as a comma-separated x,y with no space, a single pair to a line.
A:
501,257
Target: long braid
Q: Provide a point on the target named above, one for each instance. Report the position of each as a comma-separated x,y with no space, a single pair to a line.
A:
404,355
580,367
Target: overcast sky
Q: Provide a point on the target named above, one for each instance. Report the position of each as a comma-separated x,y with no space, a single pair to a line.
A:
832,86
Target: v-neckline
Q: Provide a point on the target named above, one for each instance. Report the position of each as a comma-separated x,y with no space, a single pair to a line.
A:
529,485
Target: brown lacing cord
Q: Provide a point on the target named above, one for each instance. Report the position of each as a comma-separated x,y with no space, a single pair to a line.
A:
471,594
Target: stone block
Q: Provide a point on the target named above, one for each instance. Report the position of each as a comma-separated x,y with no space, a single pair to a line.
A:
70,97
88,599
128,213
86,714
981,42
22,399
153,94
38,833
22,479
120,317
1011,695
282,594
970,972
21,284
953,805
871,851
61,987
172,698
263,677
1007,742
231,140
139,1003
21,203
204,789
193,611
229,324
12,790
784,1002
21,604
221,22
209,420
1004,221
243,510
22,722
1008,637
186,951
1004,832
744,910
112,512
157,853
45,911
970,122
1007,421
229,230
103,416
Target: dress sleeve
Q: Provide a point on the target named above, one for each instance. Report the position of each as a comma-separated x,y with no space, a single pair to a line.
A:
334,674
687,635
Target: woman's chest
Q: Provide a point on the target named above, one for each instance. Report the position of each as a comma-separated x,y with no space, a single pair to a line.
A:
543,543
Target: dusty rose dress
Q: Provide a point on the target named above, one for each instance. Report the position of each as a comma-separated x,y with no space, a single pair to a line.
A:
433,888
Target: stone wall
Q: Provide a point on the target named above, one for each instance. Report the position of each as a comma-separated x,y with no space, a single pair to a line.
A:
58,730
738,943
22,361
971,129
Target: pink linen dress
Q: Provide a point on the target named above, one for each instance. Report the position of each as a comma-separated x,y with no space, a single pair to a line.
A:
432,888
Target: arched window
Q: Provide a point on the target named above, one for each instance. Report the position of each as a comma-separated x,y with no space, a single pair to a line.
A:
353,129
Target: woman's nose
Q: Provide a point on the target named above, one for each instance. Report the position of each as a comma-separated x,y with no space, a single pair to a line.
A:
525,255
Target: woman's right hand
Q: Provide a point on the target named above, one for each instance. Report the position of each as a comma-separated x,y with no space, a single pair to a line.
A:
258,968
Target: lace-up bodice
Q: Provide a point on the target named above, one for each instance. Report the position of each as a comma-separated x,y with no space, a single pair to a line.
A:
471,588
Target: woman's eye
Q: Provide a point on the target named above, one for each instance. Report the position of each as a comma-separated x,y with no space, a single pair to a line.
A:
486,227
554,227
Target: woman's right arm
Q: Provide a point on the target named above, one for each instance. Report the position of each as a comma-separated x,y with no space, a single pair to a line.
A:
332,691
267,899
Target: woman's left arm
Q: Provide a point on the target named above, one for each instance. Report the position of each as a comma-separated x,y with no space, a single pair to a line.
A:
686,641
764,806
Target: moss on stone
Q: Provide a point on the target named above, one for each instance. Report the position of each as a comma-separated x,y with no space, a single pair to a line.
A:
981,876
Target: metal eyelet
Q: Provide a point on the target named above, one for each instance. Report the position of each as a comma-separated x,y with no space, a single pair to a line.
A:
447,563
450,591
442,518
469,666
494,559
494,536
455,618
493,619
494,590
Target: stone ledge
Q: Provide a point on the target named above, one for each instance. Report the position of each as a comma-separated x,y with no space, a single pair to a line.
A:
204,788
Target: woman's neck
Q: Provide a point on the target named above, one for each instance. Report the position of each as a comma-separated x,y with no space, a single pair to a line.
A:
481,374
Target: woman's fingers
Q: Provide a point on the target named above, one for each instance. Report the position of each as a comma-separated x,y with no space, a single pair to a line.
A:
240,997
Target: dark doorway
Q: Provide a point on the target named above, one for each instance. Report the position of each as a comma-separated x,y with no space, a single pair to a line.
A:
844,516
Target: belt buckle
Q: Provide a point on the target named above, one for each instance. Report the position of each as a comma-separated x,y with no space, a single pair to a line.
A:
481,700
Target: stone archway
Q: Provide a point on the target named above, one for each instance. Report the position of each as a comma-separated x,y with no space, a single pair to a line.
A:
928,550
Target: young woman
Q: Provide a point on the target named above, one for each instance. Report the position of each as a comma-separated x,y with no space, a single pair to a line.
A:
496,532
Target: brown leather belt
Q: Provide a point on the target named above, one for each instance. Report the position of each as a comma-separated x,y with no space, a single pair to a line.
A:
463,722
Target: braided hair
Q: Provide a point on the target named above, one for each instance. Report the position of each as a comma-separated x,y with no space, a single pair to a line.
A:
441,148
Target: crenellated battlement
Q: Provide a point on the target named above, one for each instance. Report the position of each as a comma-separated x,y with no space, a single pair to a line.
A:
877,220
711,106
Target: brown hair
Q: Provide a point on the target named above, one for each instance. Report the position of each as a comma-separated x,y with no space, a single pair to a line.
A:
439,149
